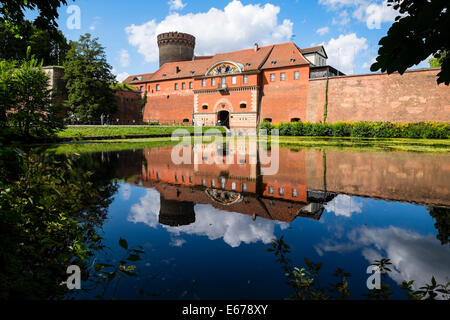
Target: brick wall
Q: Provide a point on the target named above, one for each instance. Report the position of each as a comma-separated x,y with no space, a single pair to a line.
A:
413,97
284,100
129,104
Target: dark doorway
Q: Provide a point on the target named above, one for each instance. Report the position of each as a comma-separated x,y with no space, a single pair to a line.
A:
224,118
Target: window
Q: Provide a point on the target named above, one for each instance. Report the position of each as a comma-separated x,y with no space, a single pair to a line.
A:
176,86
272,77
233,80
224,82
204,182
292,60
281,191
294,193
245,79
191,180
205,107
296,75
213,82
213,183
295,119
183,86
268,120
223,183
191,85
243,106
283,76
244,187
270,190
158,87
141,88
274,62
186,120
233,186
203,82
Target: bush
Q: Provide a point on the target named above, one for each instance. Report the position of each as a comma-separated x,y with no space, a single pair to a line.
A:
363,129
266,125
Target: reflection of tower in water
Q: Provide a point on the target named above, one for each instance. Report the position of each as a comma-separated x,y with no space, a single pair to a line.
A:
176,213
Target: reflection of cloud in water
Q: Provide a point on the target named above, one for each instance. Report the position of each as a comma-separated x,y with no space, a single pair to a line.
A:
234,228
147,210
344,205
125,192
413,256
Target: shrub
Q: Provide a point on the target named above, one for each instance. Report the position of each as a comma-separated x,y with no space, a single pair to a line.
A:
297,128
266,125
285,129
341,129
362,130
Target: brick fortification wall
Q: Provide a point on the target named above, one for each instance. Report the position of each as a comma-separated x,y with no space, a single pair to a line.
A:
170,108
412,97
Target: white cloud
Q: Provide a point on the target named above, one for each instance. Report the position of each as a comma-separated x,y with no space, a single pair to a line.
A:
372,13
176,5
235,27
122,76
125,190
376,14
323,30
124,58
343,51
342,19
344,205
413,256
233,228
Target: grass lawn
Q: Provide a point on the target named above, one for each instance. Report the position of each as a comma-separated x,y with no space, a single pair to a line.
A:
294,143
121,131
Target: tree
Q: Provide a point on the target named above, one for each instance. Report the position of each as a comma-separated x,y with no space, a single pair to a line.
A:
48,45
89,77
27,102
422,29
12,12
437,62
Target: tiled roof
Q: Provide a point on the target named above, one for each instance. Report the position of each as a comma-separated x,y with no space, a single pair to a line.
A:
138,78
285,54
312,50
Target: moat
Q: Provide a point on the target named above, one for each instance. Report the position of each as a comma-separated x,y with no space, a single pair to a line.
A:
205,228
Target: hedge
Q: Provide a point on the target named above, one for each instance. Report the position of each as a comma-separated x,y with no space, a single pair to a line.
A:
416,130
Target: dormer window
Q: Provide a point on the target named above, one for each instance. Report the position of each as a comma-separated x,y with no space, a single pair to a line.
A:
248,64
164,74
292,60
139,78
274,62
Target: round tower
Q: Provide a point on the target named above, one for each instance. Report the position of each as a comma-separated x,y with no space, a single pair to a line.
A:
175,46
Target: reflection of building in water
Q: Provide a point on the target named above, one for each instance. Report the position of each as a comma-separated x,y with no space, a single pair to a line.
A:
305,181
237,187
176,213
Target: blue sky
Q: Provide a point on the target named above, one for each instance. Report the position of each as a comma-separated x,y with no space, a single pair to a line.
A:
349,29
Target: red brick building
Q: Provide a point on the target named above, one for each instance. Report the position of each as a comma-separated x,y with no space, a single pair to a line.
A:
279,83
239,88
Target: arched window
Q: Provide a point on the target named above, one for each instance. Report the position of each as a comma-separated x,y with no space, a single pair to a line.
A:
268,120
295,119
243,105
186,120
205,107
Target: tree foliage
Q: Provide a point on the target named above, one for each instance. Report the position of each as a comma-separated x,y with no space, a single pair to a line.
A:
422,29
27,102
12,13
48,45
88,76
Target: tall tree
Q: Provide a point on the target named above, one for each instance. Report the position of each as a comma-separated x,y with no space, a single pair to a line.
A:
29,100
48,45
12,12
422,29
88,76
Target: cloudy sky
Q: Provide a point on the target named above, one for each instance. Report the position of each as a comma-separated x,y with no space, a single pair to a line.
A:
349,29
